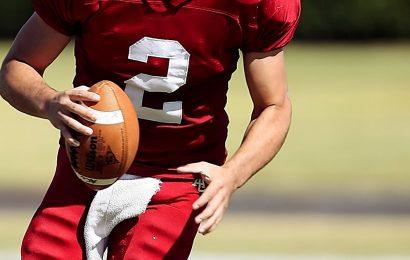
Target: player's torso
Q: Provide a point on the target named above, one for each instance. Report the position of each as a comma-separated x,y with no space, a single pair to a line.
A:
202,36
175,66
209,31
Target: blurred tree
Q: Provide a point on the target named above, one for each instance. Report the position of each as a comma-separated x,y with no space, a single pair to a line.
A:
13,14
355,19
321,19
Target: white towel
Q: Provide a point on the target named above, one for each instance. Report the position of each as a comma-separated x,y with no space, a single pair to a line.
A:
125,199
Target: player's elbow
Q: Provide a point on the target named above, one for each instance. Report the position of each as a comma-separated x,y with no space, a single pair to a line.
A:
280,104
2,80
287,107
287,103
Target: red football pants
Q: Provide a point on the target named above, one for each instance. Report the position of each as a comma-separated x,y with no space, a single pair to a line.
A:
165,231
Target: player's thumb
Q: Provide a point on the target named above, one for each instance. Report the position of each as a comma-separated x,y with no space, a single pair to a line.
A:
191,168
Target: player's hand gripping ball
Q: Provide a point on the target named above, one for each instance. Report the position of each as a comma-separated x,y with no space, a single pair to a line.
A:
103,157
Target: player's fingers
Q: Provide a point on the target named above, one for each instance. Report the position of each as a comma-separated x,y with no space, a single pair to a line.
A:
213,227
193,168
206,196
83,87
81,110
206,176
209,210
68,137
74,124
77,94
203,168
210,224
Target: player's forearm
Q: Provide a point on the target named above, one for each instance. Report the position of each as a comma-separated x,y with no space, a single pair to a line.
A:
24,88
263,140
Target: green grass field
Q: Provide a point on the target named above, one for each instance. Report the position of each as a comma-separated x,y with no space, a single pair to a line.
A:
277,234
349,131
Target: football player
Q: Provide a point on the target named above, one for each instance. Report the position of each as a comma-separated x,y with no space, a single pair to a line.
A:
174,59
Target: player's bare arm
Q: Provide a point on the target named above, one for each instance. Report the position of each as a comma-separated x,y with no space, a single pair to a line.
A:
266,78
21,82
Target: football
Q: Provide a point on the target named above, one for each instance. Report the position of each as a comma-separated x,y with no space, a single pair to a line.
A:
108,153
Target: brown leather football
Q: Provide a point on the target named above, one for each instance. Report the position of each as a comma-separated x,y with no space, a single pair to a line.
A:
108,153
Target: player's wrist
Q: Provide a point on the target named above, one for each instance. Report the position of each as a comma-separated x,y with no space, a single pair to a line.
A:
47,97
233,175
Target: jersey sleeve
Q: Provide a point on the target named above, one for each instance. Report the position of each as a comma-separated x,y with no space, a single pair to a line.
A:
65,16
56,13
275,24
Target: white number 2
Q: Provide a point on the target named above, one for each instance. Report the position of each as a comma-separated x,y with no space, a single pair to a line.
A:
176,78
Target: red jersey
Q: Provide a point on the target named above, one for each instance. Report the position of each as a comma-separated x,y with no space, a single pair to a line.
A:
174,59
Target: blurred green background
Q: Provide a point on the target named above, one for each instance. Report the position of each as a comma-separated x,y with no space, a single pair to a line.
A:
349,79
